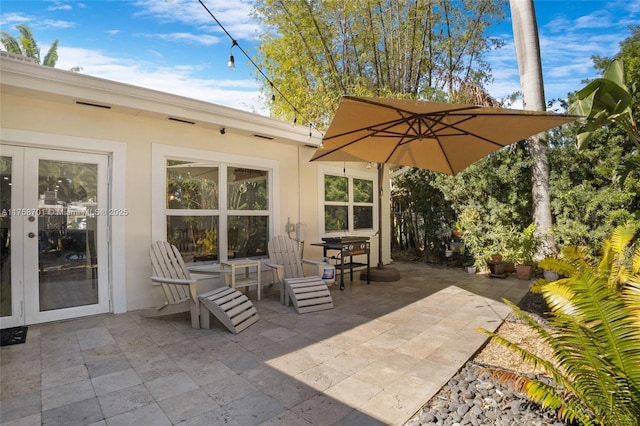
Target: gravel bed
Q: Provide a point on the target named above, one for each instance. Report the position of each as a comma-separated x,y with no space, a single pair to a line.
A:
472,397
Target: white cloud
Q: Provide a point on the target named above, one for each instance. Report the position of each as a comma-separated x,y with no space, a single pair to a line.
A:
178,80
12,19
203,39
50,23
597,19
59,7
235,16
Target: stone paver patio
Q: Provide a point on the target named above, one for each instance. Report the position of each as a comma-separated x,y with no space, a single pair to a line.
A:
375,359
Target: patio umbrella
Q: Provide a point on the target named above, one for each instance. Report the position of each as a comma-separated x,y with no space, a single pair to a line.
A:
442,137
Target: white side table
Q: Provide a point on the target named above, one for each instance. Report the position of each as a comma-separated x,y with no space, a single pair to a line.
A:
238,273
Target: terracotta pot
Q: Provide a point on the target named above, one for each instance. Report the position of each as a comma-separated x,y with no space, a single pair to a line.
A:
524,272
496,268
509,267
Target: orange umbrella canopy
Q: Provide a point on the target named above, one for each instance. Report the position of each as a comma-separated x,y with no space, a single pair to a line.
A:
442,137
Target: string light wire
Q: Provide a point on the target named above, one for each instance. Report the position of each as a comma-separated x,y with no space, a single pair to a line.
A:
273,87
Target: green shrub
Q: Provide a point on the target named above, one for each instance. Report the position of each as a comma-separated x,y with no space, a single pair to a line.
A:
594,333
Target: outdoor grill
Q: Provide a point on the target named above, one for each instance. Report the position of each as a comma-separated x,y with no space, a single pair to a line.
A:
348,247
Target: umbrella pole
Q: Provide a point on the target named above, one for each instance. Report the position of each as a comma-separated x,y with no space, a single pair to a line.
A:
380,178
381,273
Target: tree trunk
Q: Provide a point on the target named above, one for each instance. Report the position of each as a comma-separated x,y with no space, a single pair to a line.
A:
525,34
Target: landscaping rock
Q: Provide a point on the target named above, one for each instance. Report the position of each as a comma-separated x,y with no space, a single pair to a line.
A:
474,398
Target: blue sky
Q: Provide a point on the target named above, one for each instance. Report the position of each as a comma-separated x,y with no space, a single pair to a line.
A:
175,46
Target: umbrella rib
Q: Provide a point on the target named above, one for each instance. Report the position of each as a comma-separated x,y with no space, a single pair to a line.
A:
374,133
388,125
466,132
444,153
431,123
401,142
338,148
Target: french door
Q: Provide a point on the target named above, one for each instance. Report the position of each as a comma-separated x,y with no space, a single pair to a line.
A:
53,230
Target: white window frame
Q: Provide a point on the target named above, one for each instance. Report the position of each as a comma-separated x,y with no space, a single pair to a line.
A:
159,156
349,174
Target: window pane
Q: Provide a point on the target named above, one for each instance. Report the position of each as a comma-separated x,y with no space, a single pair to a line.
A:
248,236
335,218
336,188
195,236
363,217
248,189
362,191
192,185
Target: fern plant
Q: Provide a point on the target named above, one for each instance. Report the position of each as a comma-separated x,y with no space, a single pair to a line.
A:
594,334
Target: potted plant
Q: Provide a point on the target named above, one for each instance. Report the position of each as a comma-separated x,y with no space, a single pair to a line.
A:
470,265
524,245
458,229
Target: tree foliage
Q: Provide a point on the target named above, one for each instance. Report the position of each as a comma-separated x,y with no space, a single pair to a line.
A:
609,100
490,198
588,200
26,45
315,51
420,213
606,101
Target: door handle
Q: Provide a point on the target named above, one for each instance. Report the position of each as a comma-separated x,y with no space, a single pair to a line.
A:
31,235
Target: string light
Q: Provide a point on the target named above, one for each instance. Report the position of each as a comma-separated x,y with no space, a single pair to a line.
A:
232,61
275,90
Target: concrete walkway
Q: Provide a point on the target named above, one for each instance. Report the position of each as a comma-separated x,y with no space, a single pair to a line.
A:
375,359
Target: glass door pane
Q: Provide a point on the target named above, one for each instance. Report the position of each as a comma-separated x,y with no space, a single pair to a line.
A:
67,232
6,309
11,255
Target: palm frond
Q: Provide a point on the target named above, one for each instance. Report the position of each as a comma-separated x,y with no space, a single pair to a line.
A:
613,263
532,359
559,297
29,45
631,295
51,57
635,262
578,257
594,335
555,264
605,316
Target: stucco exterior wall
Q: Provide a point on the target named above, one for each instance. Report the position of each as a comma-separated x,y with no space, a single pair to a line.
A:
138,130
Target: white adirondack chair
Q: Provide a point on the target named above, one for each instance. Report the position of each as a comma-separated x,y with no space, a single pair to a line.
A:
179,285
307,294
